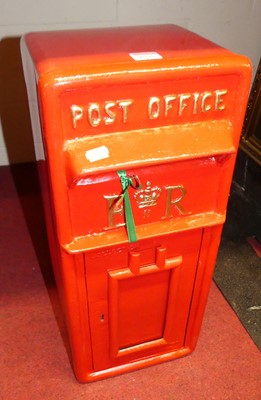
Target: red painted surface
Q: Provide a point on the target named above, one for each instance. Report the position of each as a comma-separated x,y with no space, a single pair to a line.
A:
174,123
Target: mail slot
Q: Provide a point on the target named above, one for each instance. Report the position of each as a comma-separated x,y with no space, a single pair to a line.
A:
136,132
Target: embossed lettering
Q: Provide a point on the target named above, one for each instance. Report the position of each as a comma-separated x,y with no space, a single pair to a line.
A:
175,200
125,107
171,106
113,210
219,106
111,115
77,114
168,103
205,107
195,107
182,104
94,114
147,199
154,107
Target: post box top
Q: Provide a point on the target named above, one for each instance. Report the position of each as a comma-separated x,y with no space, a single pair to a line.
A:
56,51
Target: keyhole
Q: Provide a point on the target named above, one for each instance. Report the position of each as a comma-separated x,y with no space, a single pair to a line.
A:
102,317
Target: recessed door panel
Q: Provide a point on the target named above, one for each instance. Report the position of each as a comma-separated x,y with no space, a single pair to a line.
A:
142,304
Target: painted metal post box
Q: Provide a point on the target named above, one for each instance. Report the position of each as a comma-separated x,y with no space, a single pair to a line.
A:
136,132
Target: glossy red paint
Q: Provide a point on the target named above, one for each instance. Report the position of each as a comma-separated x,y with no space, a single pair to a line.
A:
170,115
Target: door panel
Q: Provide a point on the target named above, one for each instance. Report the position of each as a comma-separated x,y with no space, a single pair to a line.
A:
138,307
139,297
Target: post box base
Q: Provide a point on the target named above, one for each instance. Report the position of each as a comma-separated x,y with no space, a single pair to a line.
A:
132,366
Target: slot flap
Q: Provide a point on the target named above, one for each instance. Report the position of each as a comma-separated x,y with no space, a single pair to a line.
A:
144,147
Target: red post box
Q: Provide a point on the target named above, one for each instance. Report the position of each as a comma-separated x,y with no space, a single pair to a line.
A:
136,132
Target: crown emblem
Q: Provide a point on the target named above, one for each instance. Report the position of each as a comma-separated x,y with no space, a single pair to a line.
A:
147,197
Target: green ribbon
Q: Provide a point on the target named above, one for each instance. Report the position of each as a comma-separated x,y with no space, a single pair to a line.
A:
126,182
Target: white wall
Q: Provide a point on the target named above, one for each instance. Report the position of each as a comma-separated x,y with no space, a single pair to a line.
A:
234,24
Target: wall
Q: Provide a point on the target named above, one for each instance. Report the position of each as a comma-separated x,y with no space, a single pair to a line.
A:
232,24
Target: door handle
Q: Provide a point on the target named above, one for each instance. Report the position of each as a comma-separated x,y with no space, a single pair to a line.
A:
166,263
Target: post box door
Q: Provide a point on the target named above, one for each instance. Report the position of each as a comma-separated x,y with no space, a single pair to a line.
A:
139,297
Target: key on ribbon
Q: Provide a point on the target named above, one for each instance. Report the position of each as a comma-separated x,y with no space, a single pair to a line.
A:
126,182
